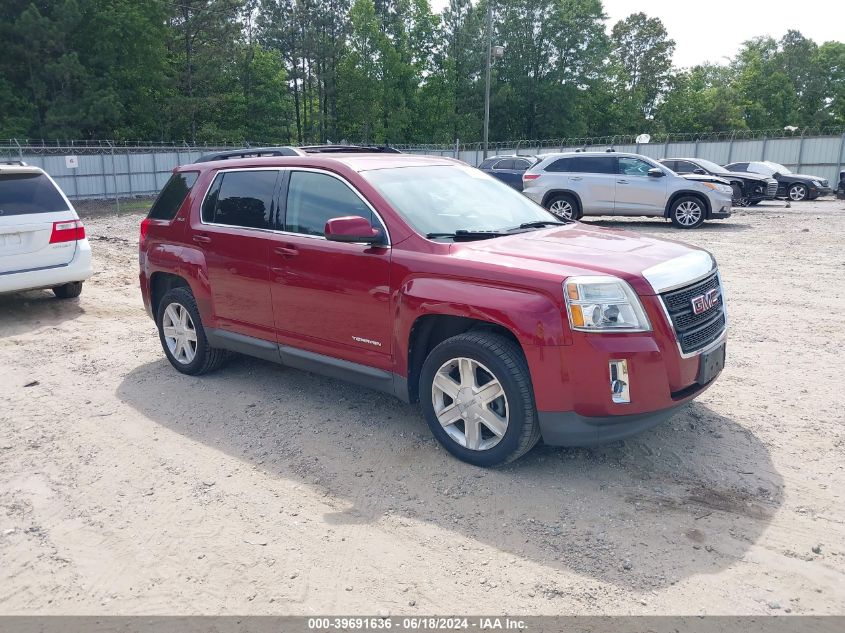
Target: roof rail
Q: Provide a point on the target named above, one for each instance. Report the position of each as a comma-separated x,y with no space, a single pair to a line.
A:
19,163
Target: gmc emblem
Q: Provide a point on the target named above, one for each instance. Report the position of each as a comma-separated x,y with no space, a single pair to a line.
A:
704,302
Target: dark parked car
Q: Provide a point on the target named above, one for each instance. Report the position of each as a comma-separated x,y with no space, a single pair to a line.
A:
508,169
840,190
747,188
793,186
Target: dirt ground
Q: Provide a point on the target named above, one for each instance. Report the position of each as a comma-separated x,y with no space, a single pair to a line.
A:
127,488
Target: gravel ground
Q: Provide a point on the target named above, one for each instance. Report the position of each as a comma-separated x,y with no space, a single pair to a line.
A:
127,488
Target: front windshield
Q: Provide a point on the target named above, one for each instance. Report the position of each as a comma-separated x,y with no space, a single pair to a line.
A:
706,164
450,198
778,167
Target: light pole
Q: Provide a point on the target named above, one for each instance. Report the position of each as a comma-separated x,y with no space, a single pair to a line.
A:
487,84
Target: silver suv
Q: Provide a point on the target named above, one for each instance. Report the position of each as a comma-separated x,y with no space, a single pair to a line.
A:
575,184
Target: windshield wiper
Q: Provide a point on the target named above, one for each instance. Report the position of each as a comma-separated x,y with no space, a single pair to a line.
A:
538,224
467,235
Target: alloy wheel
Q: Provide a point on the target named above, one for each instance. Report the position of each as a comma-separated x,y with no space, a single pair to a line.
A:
797,192
470,404
688,213
180,335
562,208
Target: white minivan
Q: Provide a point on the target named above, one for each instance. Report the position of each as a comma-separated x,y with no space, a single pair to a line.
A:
42,240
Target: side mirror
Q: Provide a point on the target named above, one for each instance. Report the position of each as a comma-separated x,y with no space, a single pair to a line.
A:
352,228
656,172
699,171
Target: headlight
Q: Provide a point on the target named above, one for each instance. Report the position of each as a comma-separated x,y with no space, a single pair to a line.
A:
816,183
718,187
603,304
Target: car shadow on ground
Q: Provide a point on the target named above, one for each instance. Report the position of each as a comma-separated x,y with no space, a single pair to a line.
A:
658,224
22,312
686,498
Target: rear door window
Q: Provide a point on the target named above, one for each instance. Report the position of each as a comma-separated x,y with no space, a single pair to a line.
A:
173,195
593,165
32,192
504,164
241,198
521,164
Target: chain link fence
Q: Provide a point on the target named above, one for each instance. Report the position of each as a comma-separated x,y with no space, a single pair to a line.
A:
105,175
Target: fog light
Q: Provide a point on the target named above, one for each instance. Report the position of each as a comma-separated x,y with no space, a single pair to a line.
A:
620,392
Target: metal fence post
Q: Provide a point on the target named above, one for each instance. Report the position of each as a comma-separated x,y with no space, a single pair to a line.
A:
457,150
800,153
114,176
129,172
731,148
695,151
765,144
20,150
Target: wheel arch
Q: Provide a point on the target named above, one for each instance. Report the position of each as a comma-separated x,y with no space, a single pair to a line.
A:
683,193
557,192
429,330
160,284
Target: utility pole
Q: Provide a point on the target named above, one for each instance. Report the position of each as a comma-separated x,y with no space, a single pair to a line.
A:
487,84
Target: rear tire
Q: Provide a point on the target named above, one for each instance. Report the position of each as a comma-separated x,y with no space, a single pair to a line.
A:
564,206
687,212
182,335
68,291
490,418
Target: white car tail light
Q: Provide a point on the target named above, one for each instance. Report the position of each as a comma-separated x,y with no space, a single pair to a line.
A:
67,231
529,177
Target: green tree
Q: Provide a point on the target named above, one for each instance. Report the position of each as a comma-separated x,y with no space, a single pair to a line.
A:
642,60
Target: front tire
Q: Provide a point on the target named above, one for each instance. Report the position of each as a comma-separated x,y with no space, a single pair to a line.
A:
478,400
68,291
182,334
687,212
564,206
797,192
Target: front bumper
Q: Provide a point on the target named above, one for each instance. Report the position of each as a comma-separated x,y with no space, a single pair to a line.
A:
720,205
78,269
815,192
567,428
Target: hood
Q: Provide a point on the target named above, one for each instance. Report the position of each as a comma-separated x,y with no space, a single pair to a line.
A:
802,177
746,175
579,249
706,178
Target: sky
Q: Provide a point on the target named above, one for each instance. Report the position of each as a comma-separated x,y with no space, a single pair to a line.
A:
714,29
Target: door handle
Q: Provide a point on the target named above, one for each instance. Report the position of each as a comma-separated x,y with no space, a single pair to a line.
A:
622,182
576,178
286,251
201,239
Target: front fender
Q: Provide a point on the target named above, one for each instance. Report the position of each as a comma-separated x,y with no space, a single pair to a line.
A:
535,319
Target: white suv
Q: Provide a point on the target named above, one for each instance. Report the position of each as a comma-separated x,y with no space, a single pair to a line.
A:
42,240
575,184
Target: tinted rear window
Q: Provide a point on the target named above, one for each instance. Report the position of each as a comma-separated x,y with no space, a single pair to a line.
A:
560,165
241,198
593,165
29,193
173,195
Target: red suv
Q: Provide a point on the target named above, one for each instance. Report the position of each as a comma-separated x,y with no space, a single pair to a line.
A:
432,281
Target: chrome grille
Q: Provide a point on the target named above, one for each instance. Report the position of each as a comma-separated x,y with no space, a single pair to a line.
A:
772,188
695,331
